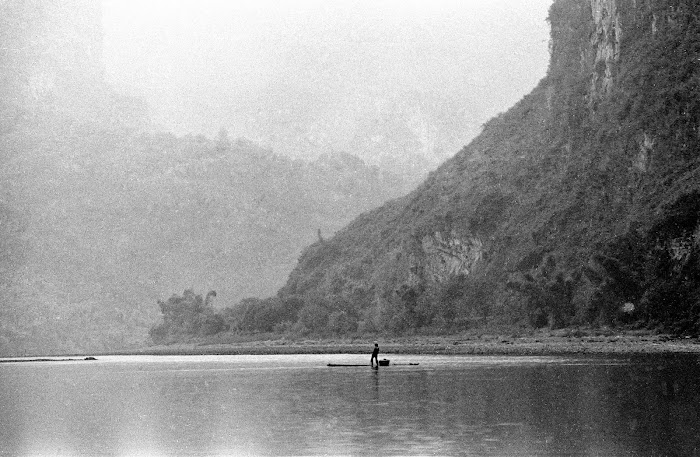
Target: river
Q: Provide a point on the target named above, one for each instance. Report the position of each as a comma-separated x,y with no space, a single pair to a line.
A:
297,405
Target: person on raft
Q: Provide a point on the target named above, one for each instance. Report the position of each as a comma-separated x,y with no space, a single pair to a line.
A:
375,353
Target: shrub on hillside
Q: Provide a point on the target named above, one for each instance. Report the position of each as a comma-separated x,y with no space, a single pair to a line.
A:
187,315
658,272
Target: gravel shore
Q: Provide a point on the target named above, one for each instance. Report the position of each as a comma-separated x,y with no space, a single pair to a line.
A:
536,344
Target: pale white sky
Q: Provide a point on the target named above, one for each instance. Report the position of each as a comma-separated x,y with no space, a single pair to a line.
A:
198,58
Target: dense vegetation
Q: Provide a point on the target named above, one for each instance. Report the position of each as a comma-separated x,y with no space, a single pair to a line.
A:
578,206
187,315
99,221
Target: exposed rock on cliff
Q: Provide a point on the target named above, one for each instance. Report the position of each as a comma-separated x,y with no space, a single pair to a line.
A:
449,256
605,45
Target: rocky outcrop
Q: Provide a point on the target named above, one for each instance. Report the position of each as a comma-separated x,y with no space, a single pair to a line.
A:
605,45
447,255
646,146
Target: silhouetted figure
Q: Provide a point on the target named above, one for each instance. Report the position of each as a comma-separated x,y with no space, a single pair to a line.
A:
375,353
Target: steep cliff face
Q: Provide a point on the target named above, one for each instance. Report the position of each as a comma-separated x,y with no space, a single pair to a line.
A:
520,225
51,63
49,48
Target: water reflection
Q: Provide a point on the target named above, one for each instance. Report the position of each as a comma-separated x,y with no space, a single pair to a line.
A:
284,405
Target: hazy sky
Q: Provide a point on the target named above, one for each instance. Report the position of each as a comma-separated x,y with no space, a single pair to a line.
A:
202,64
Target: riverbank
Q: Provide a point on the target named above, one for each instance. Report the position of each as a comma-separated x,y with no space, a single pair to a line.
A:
550,343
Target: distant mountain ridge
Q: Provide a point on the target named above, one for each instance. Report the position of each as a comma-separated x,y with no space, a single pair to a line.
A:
401,85
409,132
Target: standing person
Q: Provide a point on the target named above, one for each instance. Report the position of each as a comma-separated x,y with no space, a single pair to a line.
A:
375,353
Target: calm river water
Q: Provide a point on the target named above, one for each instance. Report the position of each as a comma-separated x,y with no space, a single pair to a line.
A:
296,405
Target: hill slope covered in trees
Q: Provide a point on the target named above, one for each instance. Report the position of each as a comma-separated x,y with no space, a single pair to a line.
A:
578,206
98,224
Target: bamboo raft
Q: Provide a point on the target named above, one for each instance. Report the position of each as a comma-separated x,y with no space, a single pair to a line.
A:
382,363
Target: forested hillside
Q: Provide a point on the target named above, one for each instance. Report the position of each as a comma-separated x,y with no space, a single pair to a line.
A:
99,223
578,206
